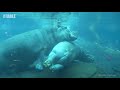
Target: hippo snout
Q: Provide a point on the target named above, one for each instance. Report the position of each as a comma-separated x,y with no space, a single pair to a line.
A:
73,37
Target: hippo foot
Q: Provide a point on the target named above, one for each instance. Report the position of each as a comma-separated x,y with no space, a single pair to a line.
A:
56,67
39,67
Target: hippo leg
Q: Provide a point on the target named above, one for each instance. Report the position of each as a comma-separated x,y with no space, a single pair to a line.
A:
65,58
39,66
56,67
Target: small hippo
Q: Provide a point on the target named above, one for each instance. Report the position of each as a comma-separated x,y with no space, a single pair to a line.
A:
61,55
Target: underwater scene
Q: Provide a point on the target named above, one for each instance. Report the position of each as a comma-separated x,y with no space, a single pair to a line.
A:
59,45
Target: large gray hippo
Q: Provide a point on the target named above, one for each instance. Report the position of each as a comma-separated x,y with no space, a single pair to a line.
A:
20,51
63,54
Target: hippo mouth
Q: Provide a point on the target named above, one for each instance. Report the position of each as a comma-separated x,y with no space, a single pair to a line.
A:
73,37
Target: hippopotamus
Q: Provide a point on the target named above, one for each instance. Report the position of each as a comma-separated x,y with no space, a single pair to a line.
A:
22,50
63,54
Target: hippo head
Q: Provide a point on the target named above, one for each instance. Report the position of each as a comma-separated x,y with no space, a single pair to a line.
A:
64,34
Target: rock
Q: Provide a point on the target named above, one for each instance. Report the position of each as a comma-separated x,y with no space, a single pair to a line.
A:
79,70
75,70
31,74
37,74
116,68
